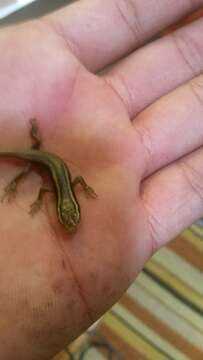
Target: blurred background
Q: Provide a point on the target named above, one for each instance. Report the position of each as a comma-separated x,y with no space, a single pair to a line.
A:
18,10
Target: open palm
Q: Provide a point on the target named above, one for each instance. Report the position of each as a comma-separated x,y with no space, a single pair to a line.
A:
124,131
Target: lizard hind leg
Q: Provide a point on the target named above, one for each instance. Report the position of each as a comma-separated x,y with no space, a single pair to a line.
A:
11,189
35,135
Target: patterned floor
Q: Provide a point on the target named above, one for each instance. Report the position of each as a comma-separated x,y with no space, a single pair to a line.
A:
161,315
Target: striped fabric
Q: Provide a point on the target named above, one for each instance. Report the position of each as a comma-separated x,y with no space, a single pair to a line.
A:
161,315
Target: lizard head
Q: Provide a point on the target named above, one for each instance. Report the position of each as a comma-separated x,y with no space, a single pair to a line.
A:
70,216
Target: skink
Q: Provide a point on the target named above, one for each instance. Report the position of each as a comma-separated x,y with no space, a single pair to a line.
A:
68,209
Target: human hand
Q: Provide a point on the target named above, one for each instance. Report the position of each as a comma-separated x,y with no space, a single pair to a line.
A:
134,132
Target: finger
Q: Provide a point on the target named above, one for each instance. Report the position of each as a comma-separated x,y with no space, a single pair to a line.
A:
100,32
158,68
172,127
173,198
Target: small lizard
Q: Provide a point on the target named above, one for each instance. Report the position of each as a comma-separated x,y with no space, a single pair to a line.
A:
68,208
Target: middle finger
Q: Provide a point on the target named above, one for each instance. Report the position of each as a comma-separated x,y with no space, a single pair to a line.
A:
158,68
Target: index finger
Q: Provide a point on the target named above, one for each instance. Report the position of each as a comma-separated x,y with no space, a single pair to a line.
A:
101,32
